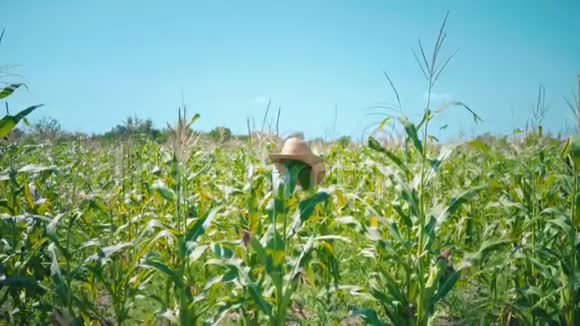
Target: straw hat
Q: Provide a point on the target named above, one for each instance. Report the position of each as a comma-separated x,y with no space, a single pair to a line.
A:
296,149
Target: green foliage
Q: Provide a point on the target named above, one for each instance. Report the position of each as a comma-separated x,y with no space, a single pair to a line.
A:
86,239
220,134
8,122
344,141
134,126
8,90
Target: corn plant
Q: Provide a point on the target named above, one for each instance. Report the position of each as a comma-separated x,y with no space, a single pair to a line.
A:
410,293
273,265
20,268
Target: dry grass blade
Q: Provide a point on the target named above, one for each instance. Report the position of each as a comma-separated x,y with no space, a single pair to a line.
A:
420,65
379,114
439,43
249,130
278,121
382,108
266,114
572,107
425,62
445,106
539,111
575,107
393,88
440,71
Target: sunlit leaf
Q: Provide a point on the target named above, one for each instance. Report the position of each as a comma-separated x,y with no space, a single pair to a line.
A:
8,90
202,224
308,205
374,144
35,169
411,131
262,304
165,192
9,122
164,269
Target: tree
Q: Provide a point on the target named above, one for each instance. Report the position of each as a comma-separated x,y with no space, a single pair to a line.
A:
46,128
220,134
344,141
133,126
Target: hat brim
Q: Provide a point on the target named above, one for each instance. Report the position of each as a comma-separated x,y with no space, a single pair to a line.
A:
309,159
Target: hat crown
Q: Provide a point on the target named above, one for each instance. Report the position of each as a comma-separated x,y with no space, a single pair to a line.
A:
295,146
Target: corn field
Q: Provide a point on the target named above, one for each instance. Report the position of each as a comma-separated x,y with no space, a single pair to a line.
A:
474,233
190,232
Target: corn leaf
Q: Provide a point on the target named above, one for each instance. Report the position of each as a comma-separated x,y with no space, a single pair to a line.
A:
411,131
202,224
376,146
8,90
9,122
164,269
369,316
165,192
259,300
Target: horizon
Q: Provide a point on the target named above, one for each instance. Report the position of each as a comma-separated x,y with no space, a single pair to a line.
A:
321,63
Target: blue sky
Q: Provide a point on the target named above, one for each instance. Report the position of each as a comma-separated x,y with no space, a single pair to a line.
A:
93,63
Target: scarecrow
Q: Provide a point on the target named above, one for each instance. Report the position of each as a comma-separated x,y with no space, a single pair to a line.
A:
297,158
